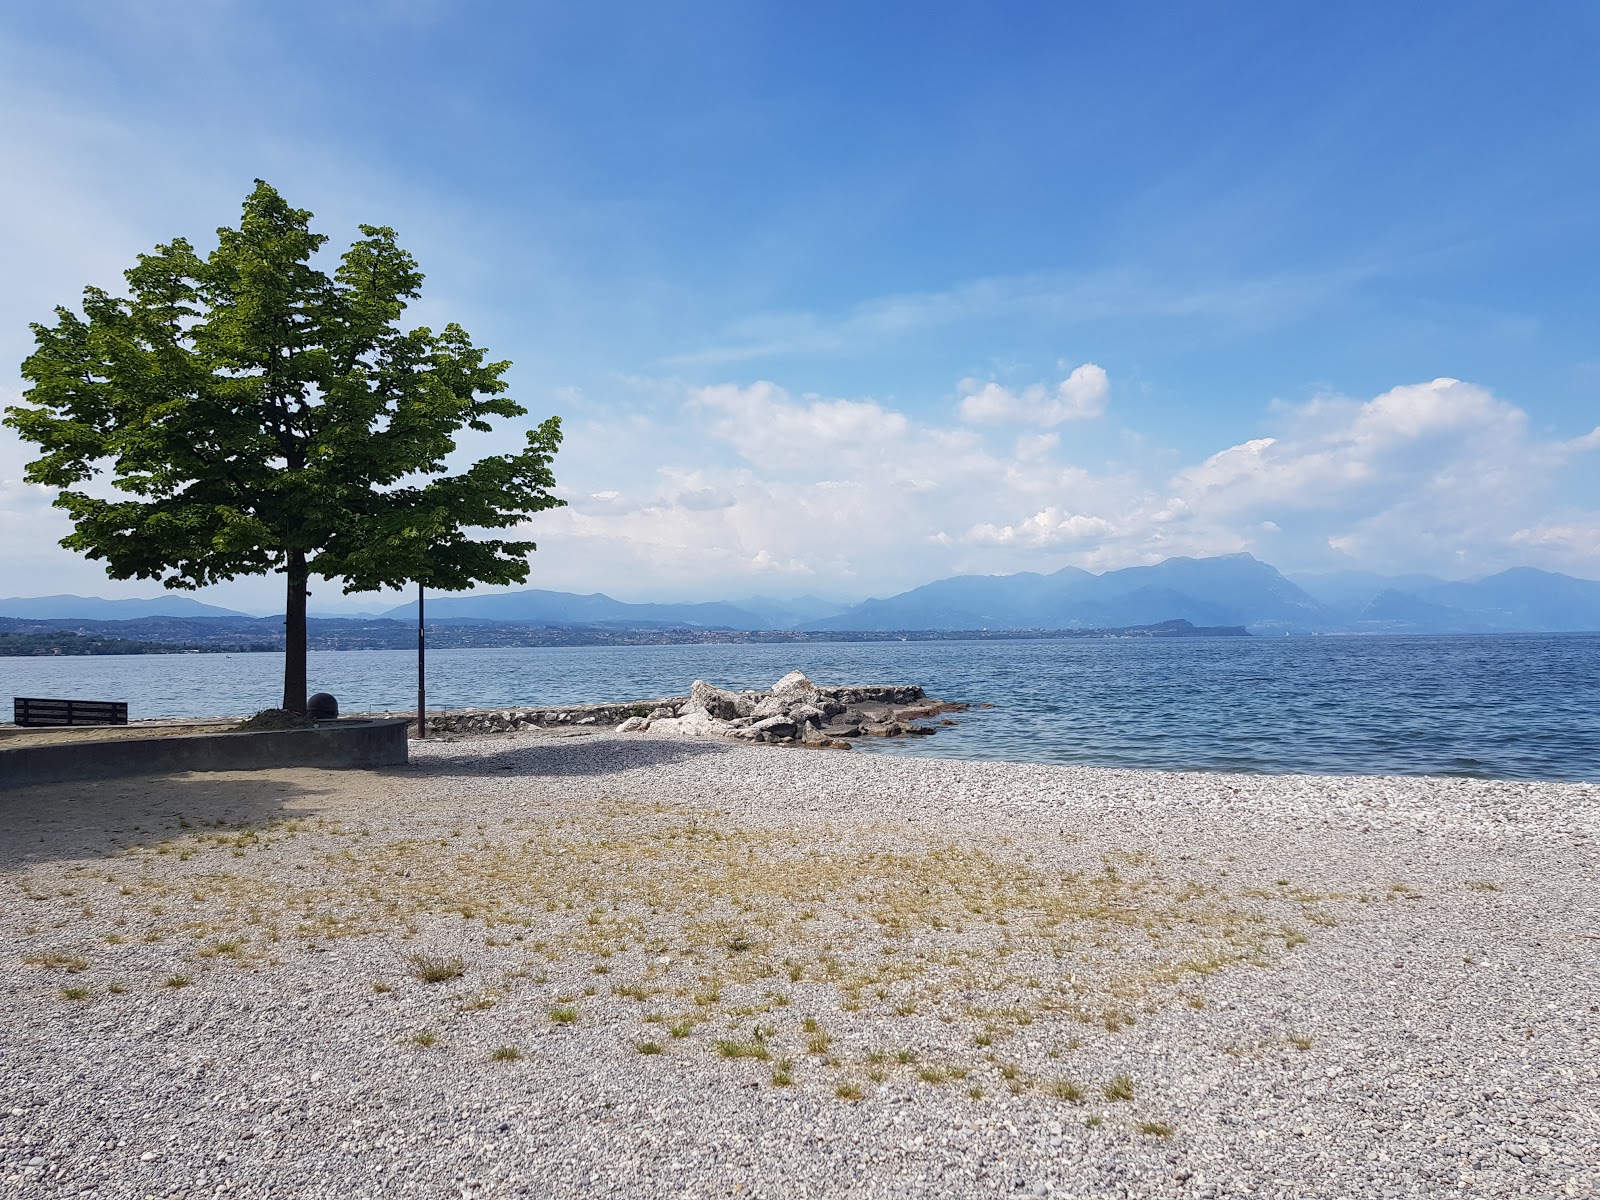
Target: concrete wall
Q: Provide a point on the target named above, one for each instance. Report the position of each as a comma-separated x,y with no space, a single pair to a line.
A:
339,744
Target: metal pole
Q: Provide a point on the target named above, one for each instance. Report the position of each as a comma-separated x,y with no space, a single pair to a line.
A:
422,660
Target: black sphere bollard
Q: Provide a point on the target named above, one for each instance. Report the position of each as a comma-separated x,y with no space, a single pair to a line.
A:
322,707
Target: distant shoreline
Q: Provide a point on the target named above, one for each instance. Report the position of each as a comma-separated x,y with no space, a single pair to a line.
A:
20,637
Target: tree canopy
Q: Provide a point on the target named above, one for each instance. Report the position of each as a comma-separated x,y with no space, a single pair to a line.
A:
254,414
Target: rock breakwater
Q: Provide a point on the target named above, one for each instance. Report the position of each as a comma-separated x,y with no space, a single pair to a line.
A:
794,711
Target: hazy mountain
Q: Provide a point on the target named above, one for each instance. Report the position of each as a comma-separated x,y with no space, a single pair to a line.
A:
539,607
789,614
1394,611
93,608
1524,598
1235,589
1354,590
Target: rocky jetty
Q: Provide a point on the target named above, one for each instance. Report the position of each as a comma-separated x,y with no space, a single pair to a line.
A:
794,711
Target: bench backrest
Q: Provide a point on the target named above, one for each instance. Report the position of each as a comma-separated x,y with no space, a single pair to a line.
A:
31,710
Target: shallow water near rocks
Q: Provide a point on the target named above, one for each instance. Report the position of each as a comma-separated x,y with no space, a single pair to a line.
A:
1508,707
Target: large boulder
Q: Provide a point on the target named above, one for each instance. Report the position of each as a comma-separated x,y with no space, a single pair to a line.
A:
805,714
795,685
779,726
695,722
717,702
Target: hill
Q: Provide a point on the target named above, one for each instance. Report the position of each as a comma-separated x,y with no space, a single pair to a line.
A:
1234,589
93,608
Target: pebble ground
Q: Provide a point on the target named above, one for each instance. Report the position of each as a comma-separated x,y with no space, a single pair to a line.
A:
865,976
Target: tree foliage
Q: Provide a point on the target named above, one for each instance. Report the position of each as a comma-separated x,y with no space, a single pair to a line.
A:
254,414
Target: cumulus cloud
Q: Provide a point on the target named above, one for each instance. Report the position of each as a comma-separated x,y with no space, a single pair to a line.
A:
858,497
1578,534
743,486
1081,396
1337,454
1051,527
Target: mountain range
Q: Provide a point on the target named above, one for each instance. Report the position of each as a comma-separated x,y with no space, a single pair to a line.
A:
1233,589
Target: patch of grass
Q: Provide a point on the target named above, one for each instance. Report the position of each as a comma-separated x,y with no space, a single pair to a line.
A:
1065,1089
904,1056
381,987
649,1048
681,1029
1157,1129
564,1014
425,1039
1095,1121
1300,1041
1482,885
932,1074
975,1092
177,981
434,968
728,1048
56,960
74,993
848,1091
1120,1088
505,1054
783,1073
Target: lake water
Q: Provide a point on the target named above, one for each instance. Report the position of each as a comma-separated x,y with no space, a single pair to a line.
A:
1510,707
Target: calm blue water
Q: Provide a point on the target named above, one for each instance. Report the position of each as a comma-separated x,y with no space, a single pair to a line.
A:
1515,707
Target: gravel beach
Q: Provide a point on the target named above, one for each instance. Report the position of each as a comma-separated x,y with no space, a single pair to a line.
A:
626,965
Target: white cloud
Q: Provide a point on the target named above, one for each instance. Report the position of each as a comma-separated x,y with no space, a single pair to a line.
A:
729,488
1031,446
1081,396
1051,527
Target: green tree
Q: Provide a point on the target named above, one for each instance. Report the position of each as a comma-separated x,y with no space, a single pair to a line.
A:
256,415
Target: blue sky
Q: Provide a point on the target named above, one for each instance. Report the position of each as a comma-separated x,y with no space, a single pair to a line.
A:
842,298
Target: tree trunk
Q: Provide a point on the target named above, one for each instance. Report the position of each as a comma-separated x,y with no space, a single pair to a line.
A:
294,635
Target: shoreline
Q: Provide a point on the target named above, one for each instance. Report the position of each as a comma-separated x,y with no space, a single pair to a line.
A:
1428,940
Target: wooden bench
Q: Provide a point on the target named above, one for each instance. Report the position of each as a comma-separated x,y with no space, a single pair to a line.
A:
31,710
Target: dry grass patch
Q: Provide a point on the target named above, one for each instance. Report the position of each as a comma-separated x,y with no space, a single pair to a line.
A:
838,938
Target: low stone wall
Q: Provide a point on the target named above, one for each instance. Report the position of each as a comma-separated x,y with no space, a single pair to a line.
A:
851,710
548,716
336,744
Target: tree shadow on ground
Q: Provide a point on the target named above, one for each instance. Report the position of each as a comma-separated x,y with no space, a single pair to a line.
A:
86,819
562,756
